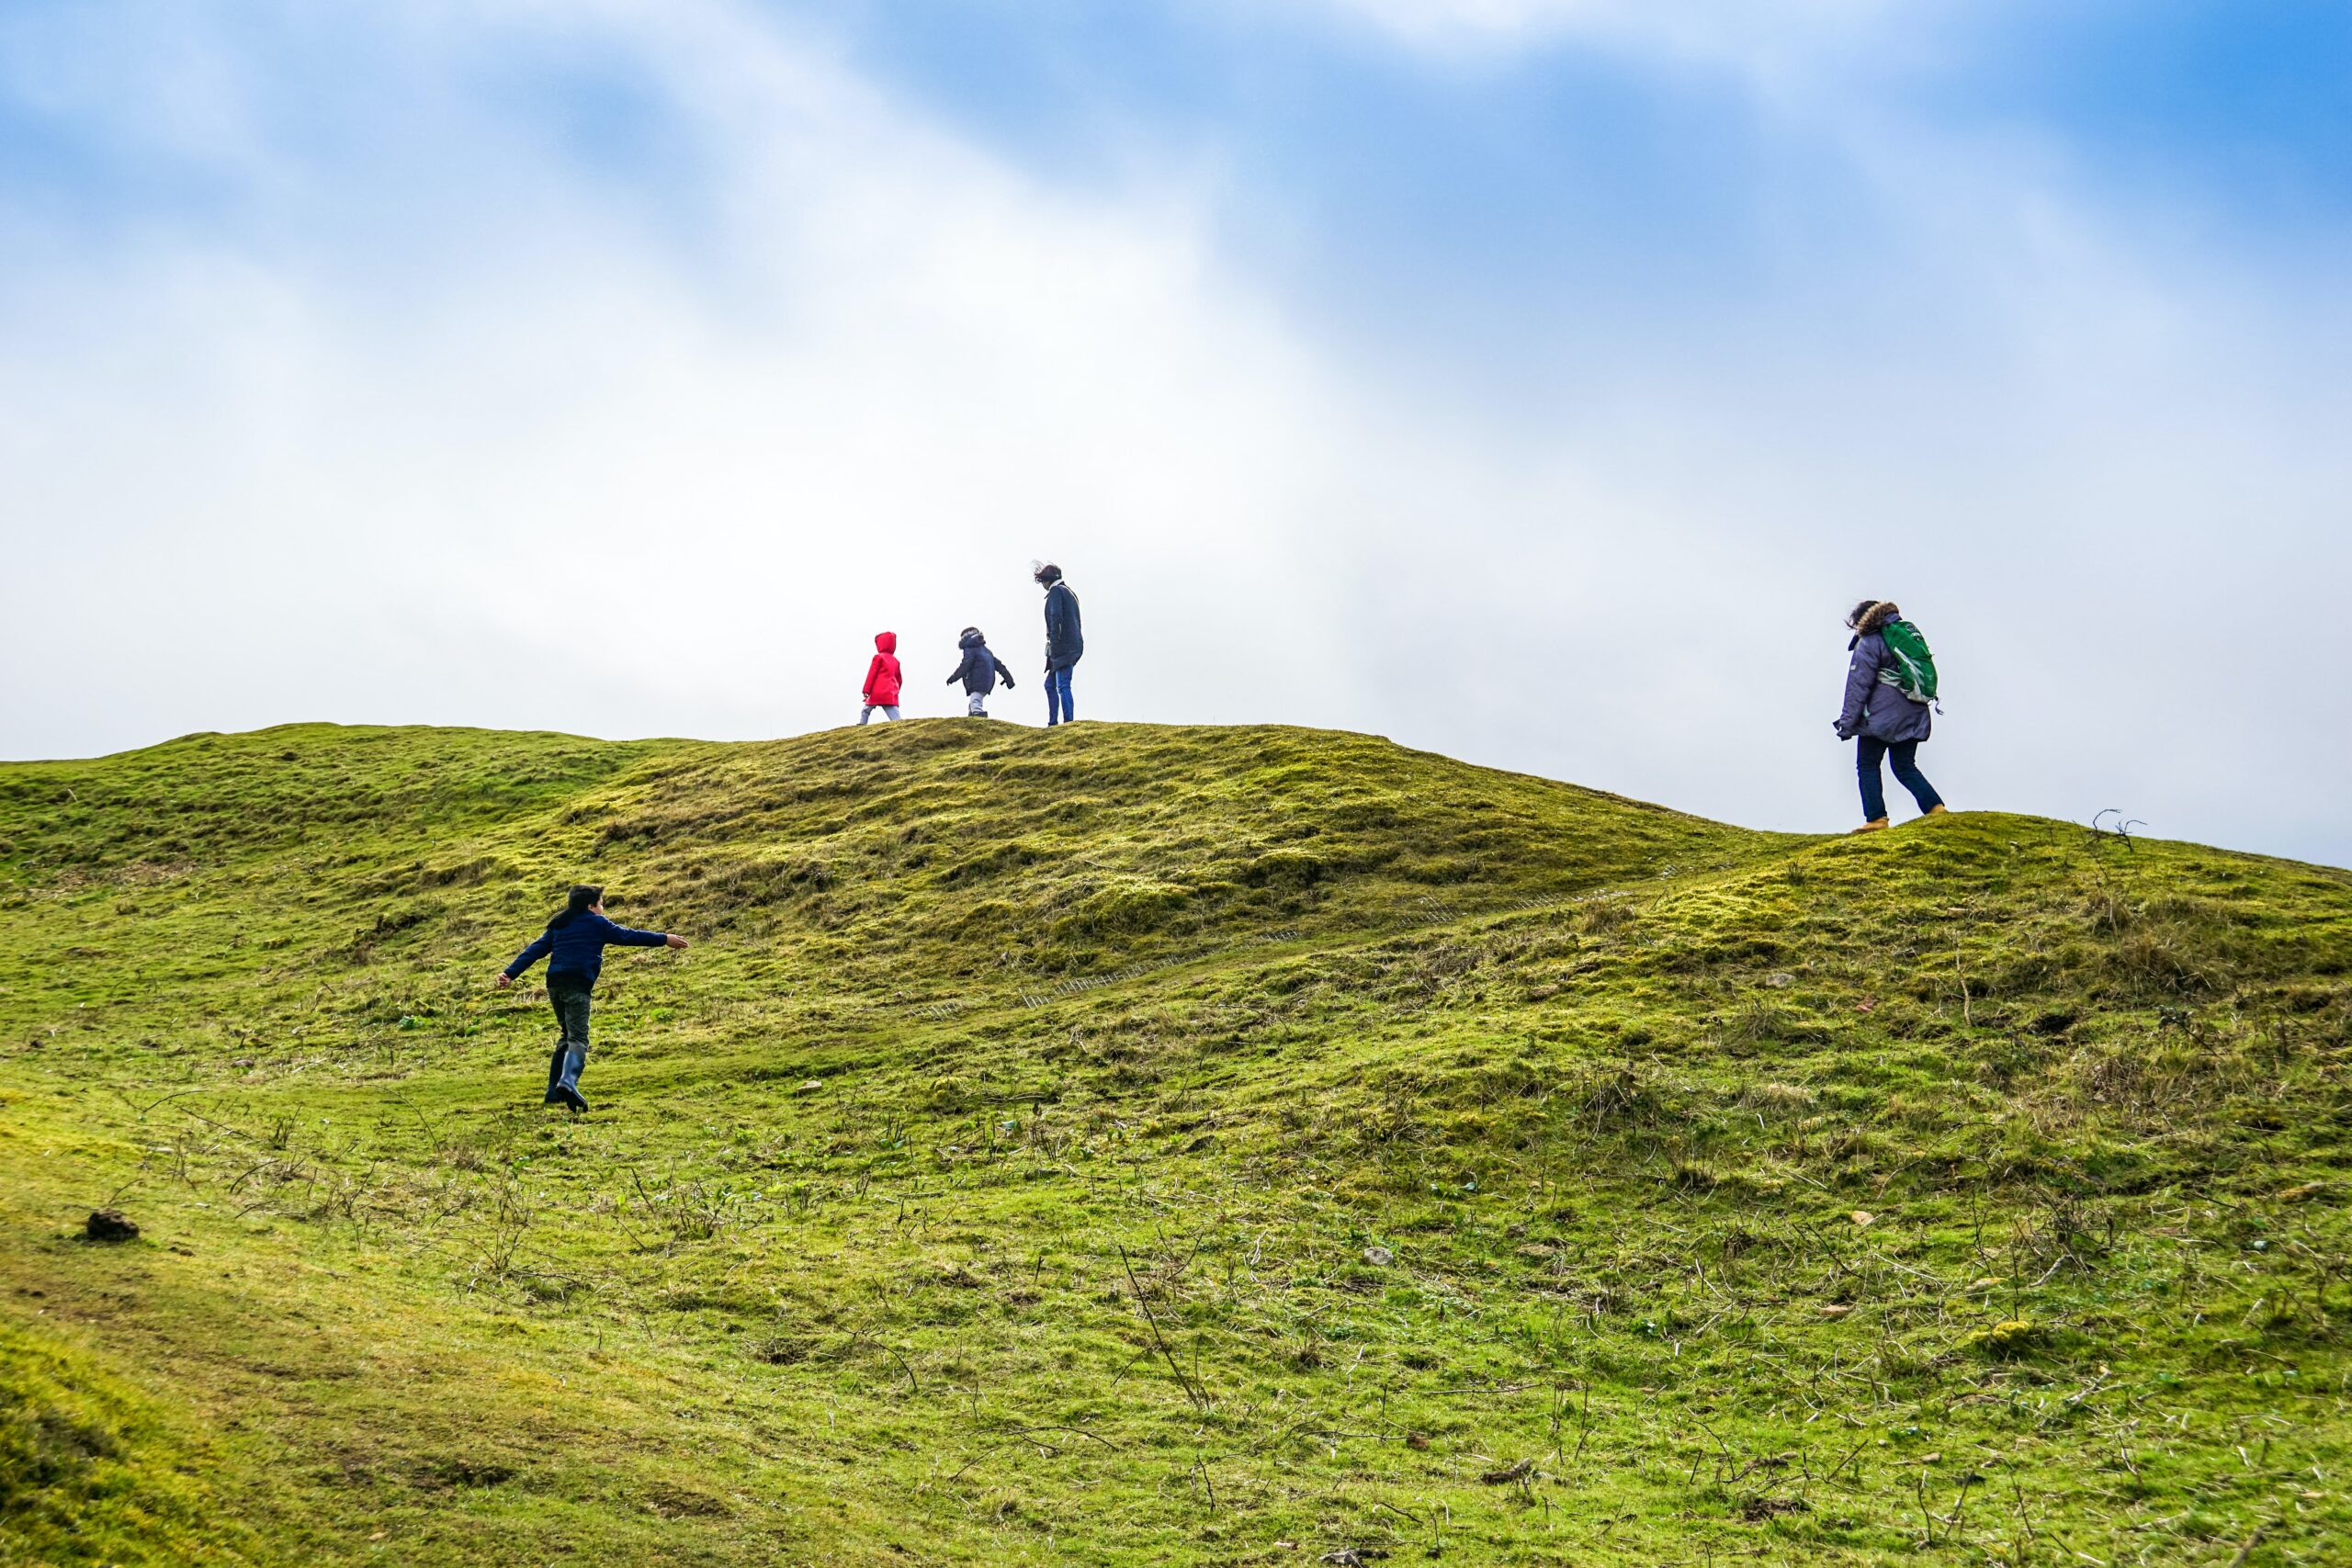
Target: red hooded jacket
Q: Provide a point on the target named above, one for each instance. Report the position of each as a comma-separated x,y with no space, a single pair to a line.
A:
882,675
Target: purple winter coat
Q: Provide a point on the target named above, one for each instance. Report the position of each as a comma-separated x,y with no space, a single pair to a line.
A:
1874,707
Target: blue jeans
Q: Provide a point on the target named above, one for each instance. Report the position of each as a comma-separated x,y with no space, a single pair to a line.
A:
1901,756
1058,706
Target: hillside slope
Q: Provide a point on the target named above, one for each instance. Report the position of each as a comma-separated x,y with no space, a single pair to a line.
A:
1125,1145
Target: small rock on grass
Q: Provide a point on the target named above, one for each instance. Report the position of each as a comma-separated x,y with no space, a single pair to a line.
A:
109,1224
1379,1257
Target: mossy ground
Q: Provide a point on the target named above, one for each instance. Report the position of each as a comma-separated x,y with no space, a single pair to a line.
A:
1134,1145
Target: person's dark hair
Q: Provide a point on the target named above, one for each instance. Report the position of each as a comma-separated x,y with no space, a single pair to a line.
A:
578,902
1048,574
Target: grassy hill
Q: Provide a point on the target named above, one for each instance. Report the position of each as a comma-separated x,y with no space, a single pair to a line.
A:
1131,1144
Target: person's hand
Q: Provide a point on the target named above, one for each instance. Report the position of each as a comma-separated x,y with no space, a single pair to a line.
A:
676,941
505,979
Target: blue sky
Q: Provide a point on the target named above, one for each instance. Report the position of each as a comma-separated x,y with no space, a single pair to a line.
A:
1531,380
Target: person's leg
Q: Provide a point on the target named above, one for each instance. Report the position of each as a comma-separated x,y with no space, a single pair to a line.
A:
575,1040
1057,708
1902,757
562,1034
865,713
1869,752
890,711
1068,712
975,708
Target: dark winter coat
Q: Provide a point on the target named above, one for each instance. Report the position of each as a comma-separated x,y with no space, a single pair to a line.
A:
981,669
882,675
577,946
1874,707
1063,643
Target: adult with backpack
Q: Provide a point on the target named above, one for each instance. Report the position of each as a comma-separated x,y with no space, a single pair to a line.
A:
574,944
1890,683
1064,645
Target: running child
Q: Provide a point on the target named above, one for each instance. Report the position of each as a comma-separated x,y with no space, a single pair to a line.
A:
574,944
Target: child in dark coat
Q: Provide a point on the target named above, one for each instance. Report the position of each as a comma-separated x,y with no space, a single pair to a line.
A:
980,672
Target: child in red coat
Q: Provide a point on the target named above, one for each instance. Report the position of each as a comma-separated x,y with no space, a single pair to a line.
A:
882,678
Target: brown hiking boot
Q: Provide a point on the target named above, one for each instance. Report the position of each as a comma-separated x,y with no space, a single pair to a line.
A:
1938,810
1875,825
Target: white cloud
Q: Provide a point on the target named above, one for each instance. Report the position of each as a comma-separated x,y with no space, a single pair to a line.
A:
896,371
444,427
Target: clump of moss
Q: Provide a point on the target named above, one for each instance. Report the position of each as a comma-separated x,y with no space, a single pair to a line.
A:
2006,1339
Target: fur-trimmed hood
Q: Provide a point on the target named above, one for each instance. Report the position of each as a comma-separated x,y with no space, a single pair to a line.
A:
1873,614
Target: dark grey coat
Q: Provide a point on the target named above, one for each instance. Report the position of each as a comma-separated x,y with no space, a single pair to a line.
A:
1064,645
981,669
1874,707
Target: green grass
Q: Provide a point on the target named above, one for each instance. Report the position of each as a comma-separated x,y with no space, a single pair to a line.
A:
1123,1145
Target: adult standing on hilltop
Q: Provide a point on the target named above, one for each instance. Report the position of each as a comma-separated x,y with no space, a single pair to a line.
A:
1890,680
1064,645
574,944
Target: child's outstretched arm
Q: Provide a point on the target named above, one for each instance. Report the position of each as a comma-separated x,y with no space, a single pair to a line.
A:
528,956
618,935
1002,674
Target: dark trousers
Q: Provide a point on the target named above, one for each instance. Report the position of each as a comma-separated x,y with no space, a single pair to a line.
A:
1902,756
568,995
1057,708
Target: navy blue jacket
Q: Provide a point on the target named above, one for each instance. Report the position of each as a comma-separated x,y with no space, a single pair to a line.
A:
1874,704
981,667
1063,643
578,946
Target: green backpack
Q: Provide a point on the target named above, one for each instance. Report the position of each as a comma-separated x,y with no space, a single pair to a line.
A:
1910,668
